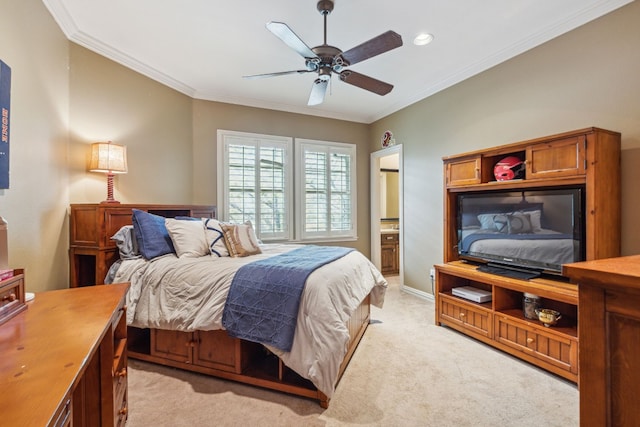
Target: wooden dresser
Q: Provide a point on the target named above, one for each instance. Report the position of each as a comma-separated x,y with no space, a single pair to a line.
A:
63,360
609,332
92,224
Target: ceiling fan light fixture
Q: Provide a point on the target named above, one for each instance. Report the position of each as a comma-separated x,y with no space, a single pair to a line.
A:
423,39
324,74
326,59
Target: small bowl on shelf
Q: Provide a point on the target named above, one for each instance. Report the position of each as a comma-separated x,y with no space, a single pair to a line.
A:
548,317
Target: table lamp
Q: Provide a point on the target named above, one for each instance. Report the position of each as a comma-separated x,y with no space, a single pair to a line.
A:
108,158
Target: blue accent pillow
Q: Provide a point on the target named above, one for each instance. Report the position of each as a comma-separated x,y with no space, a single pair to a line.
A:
151,234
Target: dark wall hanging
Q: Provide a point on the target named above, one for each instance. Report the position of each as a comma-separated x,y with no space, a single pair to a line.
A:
5,107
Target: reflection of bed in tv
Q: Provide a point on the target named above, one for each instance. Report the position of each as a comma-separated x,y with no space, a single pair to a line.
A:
545,246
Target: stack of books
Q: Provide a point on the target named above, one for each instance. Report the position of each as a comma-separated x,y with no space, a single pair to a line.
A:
6,274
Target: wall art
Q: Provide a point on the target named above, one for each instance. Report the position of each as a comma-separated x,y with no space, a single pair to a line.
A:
5,108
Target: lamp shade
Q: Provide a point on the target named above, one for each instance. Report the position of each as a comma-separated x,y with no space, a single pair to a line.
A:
108,158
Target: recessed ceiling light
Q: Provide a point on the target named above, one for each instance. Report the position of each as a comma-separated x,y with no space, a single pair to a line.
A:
423,39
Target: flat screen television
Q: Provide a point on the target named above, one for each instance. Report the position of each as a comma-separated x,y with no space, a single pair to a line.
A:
533,230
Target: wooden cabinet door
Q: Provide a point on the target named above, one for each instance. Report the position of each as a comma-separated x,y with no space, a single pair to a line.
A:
610,369
463,172
113,220
217,350
565,157
623,373
389,259
173,345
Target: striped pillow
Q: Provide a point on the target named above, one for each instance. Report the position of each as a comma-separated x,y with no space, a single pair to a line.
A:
241,239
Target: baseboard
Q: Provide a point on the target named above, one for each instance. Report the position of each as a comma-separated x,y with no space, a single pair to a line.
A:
417,292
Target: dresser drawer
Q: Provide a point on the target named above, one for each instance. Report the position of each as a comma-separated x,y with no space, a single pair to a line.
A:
120,374
556,349
121,412
461,315
389,238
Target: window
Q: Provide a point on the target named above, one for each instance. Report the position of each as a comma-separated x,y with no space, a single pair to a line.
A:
326,202
255,182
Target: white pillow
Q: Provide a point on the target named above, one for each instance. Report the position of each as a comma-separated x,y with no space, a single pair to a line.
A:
215,237
188,237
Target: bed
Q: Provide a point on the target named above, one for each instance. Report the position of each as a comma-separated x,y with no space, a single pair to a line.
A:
176,306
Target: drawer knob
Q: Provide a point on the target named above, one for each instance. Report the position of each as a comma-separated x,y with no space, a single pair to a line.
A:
462,315
530,340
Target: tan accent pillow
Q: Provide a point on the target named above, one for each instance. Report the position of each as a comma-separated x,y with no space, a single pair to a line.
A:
241,239
188,237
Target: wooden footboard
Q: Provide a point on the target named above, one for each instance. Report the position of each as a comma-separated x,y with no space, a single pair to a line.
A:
216,353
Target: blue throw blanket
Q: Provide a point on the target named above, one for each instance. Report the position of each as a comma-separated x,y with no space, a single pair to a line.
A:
264,297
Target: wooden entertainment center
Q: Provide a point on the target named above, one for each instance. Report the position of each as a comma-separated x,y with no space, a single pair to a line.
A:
587,158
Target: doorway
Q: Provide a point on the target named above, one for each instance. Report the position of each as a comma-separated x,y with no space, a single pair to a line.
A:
387,188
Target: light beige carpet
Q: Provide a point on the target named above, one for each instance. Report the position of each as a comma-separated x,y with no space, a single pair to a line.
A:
406,372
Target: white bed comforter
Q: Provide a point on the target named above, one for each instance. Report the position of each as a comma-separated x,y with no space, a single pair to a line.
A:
189,294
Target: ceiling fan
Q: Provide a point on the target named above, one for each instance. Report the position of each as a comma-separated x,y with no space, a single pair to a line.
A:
325,59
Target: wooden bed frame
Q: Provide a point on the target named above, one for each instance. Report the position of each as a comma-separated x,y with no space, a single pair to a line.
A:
208,352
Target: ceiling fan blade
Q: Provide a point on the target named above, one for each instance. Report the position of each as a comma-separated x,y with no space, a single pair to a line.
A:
365,82
286,34
318,91
280,73
377,45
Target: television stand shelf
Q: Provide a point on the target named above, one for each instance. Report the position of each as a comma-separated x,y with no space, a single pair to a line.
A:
501,322
588,159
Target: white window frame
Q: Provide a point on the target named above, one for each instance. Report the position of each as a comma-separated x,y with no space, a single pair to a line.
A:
303,145
226,137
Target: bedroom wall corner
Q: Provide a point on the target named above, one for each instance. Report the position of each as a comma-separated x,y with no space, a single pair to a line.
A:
110,102
35,205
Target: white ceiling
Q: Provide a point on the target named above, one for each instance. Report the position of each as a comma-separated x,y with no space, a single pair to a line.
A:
202,48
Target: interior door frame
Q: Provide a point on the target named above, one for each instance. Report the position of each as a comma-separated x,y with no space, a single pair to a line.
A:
375,205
